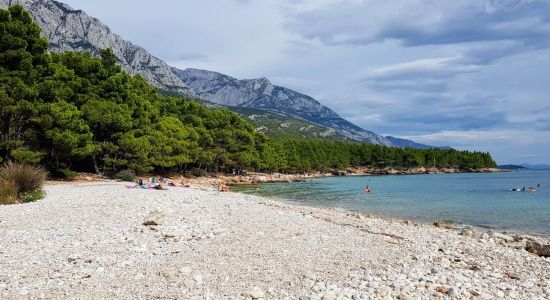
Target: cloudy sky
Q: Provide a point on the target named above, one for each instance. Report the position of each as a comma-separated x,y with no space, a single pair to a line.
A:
471,74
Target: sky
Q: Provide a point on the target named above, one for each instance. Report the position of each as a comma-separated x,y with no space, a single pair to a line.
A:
470,74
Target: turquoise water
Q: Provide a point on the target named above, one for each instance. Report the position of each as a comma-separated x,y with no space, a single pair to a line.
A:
475,199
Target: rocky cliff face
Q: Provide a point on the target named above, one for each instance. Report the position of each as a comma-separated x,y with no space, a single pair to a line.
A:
74,30
260,93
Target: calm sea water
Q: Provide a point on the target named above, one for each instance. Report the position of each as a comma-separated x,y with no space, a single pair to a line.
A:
473,199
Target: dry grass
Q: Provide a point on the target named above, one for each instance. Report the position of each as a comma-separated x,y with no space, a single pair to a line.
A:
27,178
8,192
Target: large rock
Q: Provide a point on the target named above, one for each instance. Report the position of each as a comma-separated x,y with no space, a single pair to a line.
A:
68,29
540,249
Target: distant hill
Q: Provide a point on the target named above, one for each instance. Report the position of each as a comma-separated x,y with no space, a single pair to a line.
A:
536,166
283,126
511,167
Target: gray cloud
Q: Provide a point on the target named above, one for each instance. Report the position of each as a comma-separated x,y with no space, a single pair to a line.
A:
428,75
503,27
193,57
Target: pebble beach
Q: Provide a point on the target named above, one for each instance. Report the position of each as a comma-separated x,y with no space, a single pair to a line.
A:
104,241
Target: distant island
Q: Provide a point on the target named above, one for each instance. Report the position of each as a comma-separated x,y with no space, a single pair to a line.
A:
524,167
511,167
536,166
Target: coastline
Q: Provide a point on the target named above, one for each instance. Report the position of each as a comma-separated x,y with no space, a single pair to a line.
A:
231,245
256,177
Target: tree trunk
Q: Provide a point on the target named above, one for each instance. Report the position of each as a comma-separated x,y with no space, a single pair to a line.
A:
96,168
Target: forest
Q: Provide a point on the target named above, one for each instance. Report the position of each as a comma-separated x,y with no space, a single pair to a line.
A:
71,111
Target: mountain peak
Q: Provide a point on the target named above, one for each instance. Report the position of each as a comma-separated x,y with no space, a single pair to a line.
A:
262,94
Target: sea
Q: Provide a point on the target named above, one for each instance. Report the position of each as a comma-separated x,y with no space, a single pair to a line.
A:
476,199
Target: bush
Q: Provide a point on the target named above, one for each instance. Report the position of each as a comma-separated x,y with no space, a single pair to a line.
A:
126,175
66,173
8,192
26,178
32,196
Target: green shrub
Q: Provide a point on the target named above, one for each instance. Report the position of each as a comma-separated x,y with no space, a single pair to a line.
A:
126,175
8,192
66,173
32,196
27,178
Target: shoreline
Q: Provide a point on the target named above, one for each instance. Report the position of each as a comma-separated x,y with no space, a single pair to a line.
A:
255,177
233,245
442,223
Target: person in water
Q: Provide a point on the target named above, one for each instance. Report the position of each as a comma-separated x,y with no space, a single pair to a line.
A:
367,189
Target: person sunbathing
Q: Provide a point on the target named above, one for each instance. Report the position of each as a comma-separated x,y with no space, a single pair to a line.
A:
223,188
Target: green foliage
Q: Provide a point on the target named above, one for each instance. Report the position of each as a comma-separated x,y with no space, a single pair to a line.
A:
126,175
307,155
71,110
32,196
286,127
27,178
65,173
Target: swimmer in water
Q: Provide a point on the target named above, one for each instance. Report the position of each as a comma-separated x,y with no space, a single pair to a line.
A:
367,189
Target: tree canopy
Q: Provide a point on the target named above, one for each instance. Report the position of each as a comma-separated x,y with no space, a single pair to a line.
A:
67,110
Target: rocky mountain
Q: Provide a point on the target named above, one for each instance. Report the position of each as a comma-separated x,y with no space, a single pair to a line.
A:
262,94
74,30
68,29
285,126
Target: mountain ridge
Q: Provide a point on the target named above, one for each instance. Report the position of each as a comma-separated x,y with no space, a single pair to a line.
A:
262,94
74,30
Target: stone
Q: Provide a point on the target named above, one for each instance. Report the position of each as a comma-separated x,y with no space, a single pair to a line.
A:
172,234
255,293
197,278
442,225
501,236
537,248
329,296
467,232
155,218
452,292
220,231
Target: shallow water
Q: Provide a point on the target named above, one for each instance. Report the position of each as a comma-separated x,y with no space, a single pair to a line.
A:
475,199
